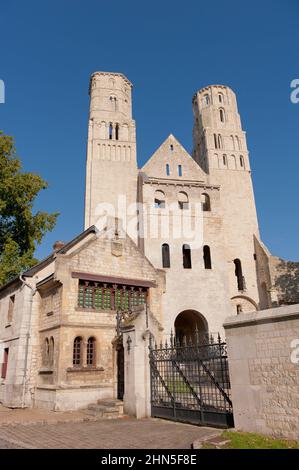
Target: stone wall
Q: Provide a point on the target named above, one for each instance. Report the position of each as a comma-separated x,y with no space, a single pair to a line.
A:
264,370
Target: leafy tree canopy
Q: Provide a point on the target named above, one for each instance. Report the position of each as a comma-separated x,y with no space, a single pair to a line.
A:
20,228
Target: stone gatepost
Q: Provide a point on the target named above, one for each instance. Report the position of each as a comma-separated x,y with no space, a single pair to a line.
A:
136,330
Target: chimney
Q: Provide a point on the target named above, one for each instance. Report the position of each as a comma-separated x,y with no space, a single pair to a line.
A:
58,245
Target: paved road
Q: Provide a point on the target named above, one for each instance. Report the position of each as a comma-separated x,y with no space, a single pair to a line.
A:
109,434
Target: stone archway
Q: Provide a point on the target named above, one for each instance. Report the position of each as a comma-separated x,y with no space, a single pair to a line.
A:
187,322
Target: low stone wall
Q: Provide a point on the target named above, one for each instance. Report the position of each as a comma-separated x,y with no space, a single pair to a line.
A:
264,369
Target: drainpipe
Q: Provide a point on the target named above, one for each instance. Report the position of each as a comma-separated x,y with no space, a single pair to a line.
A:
33,291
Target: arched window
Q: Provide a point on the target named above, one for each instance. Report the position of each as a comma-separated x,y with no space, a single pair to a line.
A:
77,352
45,352
183,200
165,256
186,257
224,160
220,97
239,309
215,141
51,352
171,147
116,131
167,169
239,274
207,99
180,171
113,101
232,141
221,115
207,257
241,161
91,352
238,142
110,131
219,141
159,199
205,202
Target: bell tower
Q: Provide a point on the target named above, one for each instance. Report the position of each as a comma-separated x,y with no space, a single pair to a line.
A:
220,148
111,167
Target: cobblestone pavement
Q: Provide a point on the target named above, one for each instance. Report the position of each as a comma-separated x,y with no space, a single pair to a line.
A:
126,433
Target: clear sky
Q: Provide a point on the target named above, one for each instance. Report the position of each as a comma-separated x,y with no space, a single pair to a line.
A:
168,49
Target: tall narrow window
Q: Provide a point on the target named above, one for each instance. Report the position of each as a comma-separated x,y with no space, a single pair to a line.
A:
110,131
77,351
116,131
51,352
215,141
186,257
165,256
220,98
207,99
159,199
239,274
219,141
224,160
205,202
91,352
167,169
207,257
171,147
241,161
4,364
11,307
183,200
232,141
221,115
46,351
180,171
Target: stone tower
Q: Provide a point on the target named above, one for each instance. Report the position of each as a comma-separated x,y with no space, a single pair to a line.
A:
111,169
220,149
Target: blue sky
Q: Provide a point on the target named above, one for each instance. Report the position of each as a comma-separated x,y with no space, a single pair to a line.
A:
168,50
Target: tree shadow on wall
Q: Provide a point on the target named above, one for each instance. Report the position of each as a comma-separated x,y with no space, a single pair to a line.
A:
287,282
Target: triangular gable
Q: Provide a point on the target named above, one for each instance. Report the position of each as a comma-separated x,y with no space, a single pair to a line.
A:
172,153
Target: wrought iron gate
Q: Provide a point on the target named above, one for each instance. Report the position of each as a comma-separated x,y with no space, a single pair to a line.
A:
190,381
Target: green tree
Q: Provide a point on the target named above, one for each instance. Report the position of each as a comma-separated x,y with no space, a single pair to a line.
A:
20,228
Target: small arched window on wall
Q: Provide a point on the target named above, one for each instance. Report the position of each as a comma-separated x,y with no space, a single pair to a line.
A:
207,257
215,141
221,115
219,141
206,99
239,274
91,352
165,256
159,199
220,98
110,131
242,161
224,160
116,131
113,101
183,200
77,352
45,353
180,171
167,169
205,202
51,352
186,257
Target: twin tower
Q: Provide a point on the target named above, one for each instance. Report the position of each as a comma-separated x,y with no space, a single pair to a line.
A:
219,148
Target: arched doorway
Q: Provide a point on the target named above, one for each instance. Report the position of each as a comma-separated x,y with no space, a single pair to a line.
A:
188,323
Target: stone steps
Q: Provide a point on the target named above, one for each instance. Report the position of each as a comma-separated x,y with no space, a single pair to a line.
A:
105,409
